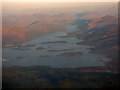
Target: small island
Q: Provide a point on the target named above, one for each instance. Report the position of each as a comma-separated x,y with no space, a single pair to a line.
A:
60,50
40,48
44,56
70,54
54,42
19,57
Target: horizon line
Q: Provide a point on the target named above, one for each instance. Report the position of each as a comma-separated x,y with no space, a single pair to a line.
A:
64,1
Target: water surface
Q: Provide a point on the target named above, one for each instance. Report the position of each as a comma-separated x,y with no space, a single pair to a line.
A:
53,51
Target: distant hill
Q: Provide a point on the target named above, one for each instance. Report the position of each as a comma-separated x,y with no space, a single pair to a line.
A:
24,28
101,33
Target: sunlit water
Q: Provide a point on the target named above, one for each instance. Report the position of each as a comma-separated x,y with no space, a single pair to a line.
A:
32,56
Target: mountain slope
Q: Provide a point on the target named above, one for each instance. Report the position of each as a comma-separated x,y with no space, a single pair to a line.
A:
101,33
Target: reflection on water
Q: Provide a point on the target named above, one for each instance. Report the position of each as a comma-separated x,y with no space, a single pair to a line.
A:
52,50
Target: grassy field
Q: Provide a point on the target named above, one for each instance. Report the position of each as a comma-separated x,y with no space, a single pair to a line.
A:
47,77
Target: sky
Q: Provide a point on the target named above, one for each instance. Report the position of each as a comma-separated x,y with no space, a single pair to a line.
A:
60,0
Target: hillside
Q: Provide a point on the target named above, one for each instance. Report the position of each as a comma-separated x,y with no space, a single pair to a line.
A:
101,33
26,28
